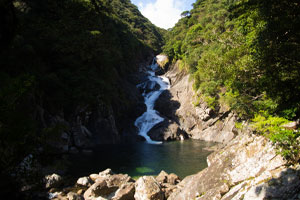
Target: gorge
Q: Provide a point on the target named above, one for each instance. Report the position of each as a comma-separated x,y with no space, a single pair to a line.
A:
86,114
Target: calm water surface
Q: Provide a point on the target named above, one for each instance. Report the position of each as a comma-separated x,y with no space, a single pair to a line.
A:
180,157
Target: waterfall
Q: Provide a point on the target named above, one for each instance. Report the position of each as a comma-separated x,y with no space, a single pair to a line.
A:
152,88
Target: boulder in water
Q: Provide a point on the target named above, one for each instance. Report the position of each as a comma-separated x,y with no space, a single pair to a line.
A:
148,86
167,131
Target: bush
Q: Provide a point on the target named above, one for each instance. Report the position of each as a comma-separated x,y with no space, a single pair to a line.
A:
286,141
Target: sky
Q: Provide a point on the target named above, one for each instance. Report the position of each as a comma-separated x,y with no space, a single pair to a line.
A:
163,13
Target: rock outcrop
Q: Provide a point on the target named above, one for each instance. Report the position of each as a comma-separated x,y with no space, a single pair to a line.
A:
177,105
246,168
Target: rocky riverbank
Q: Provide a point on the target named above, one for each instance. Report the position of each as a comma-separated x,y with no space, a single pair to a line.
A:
247,167
107,185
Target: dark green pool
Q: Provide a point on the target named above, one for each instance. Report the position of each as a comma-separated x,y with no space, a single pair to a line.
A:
181,157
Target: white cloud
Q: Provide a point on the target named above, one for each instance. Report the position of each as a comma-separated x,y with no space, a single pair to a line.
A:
163,13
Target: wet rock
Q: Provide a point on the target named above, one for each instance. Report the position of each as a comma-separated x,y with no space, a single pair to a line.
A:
53,180
166,106
147,188
141,138
167,131
125,192
148,86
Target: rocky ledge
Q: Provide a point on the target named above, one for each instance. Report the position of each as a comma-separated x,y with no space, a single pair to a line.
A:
247,168
107,185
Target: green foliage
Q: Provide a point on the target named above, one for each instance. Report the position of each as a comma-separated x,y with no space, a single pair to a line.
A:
242,55
286,141
240,46
65,54
211,101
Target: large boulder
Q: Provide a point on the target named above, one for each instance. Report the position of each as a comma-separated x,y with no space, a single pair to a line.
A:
167,131
117,180
167,106
84,181
147,188
148,86
173,179
99,189
125,192
107,183
94,177
164,177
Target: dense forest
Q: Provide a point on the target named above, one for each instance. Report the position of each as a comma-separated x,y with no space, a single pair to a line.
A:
58,55
243,54
63,56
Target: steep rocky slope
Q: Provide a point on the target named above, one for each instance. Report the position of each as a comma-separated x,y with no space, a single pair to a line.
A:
244,165
183,117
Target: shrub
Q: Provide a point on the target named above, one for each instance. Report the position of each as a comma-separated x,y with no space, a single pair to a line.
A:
286,141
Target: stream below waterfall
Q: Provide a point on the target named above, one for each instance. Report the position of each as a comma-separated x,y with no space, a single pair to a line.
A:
145,158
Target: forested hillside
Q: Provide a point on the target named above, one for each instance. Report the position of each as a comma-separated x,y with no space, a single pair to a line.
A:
243,54
60,56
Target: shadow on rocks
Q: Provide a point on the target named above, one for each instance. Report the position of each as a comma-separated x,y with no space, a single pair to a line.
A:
168,129
286,186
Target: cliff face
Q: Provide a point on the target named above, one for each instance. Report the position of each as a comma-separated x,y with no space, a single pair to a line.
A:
99,123
177,105
244,166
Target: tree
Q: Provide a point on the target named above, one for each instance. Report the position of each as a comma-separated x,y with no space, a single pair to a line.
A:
185,14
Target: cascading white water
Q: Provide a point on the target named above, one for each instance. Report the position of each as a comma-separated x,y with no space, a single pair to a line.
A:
150,118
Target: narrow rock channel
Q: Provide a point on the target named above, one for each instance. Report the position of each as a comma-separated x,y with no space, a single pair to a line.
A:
152,88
